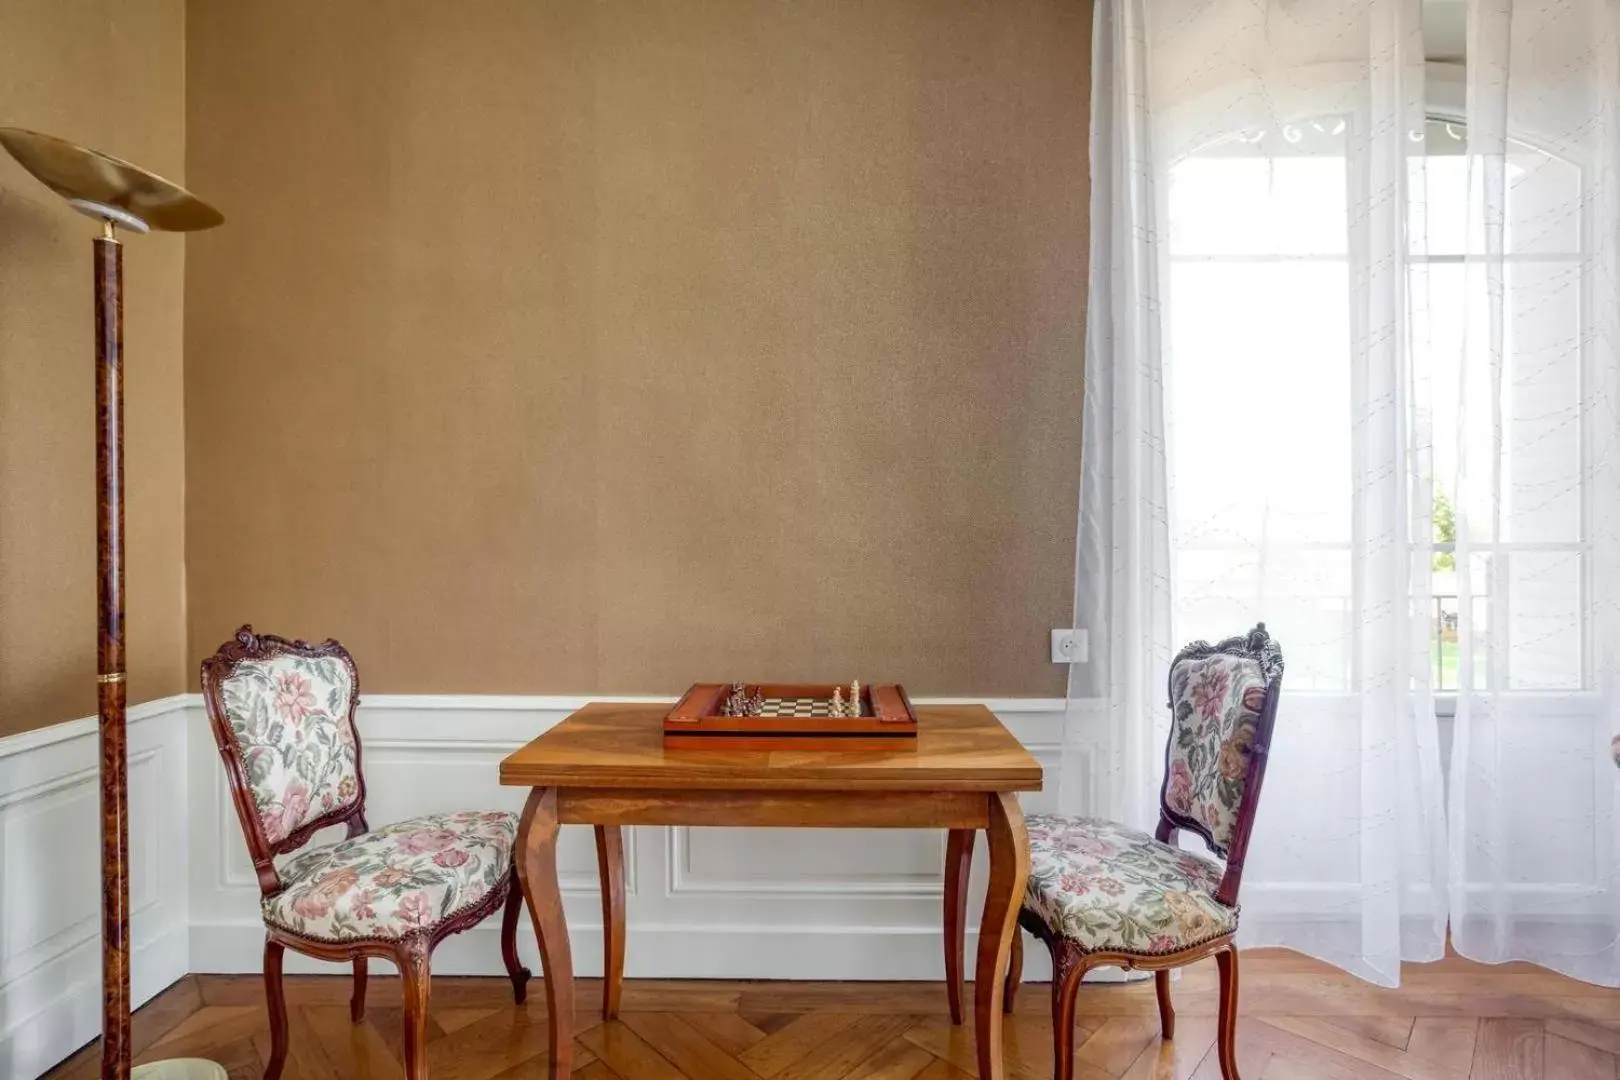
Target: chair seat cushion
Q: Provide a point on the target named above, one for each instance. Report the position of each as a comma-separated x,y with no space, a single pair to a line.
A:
1108,888
396,881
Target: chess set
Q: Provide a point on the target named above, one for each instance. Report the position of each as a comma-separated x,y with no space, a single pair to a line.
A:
805,716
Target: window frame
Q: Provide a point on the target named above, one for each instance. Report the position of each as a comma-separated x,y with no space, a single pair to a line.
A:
1445,103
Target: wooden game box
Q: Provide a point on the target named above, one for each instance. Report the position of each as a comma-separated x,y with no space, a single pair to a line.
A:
795,716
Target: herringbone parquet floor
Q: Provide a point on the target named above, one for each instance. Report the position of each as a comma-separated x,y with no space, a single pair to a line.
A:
1301,1020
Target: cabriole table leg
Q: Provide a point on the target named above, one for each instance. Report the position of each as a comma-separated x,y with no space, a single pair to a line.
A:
958,862
537,866
1009,869
610,860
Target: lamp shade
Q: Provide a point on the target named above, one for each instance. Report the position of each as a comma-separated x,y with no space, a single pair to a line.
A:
105,187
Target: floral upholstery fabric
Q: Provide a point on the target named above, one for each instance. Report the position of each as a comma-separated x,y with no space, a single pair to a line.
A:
1109,888
290,717
396,881
1215,705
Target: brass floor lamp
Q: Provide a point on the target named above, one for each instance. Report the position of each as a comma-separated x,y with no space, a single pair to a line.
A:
119,195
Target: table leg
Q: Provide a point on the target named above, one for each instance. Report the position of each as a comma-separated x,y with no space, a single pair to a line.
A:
958,861
537,864
1009,869
610,861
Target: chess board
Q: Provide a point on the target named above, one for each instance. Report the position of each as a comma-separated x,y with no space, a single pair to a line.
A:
801,706
791,715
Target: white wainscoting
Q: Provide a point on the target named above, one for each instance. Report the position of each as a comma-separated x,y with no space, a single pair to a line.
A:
723,903
50,886
719,903
701,903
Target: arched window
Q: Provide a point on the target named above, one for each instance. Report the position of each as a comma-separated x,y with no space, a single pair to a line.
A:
1261,332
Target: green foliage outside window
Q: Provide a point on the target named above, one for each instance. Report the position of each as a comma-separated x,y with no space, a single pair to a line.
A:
1445,532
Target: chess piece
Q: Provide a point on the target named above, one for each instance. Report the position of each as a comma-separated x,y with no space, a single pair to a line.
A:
838,701
855,697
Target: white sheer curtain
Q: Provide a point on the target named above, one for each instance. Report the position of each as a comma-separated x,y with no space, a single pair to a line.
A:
1257,443
1535,851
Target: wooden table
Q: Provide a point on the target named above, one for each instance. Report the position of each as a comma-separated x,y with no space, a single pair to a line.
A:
606,766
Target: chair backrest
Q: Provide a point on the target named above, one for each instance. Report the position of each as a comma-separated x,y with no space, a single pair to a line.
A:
1223,705
283,716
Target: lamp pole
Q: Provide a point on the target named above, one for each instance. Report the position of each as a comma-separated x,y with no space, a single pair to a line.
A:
110,674
117,194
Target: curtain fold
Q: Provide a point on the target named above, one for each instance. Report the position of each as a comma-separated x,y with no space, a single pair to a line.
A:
1116,721
1534,849
1257,444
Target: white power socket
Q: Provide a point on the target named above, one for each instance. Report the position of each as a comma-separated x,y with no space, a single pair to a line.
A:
1070,647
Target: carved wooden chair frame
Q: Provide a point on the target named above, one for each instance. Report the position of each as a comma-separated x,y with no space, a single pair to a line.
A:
410,953
1069,962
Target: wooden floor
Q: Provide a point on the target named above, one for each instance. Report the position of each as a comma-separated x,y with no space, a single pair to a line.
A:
1301,1020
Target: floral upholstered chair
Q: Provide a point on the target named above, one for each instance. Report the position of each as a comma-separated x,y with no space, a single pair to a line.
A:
283,716
1101,894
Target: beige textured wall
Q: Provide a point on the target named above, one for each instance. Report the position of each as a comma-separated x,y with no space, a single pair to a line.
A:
609,346
110,74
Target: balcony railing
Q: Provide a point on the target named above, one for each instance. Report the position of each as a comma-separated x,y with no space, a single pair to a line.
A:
1445,650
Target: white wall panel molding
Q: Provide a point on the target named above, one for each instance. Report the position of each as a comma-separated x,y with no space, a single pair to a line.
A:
702,902
722,903
50,878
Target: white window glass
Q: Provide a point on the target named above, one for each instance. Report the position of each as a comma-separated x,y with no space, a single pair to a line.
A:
1259,417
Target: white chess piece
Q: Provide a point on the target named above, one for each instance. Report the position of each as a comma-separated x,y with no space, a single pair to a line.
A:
855,697
838,701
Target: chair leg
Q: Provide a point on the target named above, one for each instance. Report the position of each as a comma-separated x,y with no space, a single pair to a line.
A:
1015,971
509,926
1226,1034
1167,1011
274,997
1066,974
357,1003
413,971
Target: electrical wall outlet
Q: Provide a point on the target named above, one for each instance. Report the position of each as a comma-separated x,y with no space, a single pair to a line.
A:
1069,647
